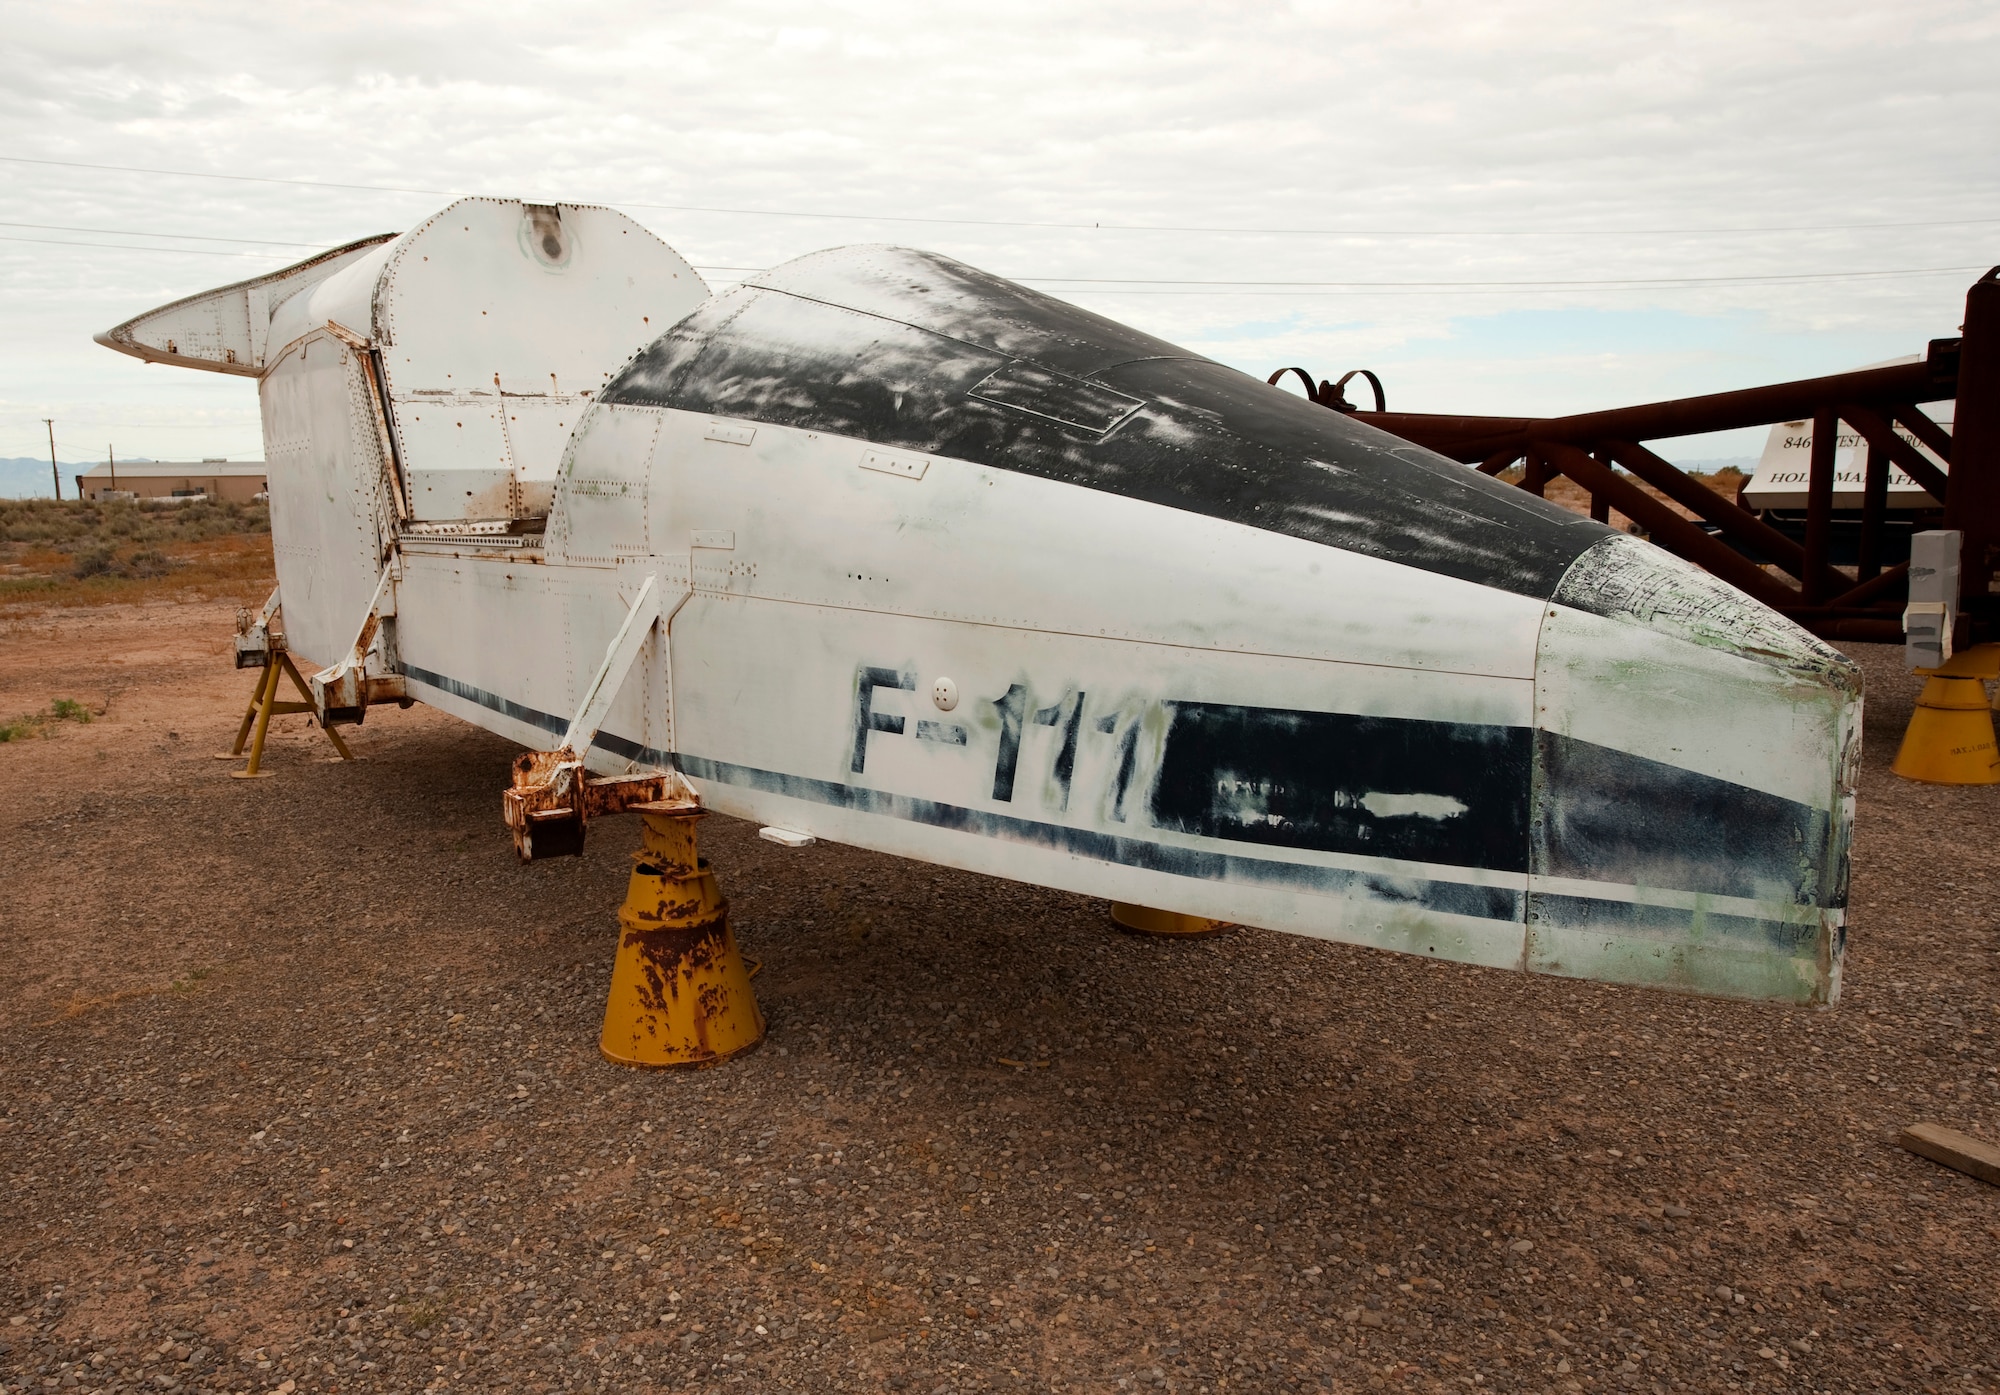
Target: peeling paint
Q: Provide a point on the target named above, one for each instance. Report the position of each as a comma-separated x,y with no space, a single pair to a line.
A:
1219,650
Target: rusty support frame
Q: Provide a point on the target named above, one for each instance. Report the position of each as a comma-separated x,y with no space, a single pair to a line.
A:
1736,539
1918,423
1726,514
1667,527
1874,513
1928,381
1875,427
1881,584
1974,504
1535,473
1600,504
1872,629
1467,438
1819,504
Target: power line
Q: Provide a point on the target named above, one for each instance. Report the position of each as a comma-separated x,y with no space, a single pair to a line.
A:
1143,285
180,237
235,178
129,247
1054,226
1147,285
205,252
1608,283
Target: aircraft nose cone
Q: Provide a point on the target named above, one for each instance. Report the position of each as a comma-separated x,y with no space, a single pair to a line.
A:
1695,757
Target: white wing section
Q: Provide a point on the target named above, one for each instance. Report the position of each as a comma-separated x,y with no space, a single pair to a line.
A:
434,375
228,330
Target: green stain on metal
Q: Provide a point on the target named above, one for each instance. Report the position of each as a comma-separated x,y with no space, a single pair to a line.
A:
1700,962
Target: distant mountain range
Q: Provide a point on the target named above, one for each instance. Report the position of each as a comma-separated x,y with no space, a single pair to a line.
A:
25,477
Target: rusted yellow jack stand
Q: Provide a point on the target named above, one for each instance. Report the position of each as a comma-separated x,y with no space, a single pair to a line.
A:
680,992
258,647
1144,920
1950,736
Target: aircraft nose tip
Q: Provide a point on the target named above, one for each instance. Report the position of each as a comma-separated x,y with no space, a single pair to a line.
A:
1640,585
1695,755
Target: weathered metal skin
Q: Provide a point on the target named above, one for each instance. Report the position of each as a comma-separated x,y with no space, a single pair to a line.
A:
915,350
1639,863
948,569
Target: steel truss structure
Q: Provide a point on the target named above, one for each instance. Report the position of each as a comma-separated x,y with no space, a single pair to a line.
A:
1738,546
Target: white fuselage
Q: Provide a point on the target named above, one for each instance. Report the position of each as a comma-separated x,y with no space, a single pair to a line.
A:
952,571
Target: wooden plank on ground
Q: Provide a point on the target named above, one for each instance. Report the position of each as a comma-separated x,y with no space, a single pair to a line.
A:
1972,1156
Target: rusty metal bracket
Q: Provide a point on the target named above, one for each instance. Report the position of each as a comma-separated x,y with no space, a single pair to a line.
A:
552,801
343,693
253,633
1312,392
1335,395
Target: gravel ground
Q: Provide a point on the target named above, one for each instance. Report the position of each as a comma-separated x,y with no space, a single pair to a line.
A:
301,1092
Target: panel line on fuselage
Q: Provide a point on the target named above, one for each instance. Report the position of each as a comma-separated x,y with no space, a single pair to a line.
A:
1639,909
1479,899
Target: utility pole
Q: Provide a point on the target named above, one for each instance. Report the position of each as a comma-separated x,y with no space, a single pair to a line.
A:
112,456
54,473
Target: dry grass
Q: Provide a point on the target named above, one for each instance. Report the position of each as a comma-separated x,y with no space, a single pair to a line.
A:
79,1005
38,723
75,526
82,552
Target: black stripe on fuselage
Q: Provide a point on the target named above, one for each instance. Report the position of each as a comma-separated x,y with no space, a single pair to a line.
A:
1610,816
493,702
915,351
1454,793
1429,894
1693,928
1425,893
1384,788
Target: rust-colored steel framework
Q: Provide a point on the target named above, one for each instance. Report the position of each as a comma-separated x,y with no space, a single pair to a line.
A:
1792,576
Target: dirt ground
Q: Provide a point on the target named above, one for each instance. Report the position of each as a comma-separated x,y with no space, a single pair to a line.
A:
301,1093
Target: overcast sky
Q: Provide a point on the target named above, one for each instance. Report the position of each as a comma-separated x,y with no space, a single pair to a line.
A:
1393,141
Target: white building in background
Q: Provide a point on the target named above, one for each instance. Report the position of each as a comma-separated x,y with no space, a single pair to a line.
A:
228,481
1785,468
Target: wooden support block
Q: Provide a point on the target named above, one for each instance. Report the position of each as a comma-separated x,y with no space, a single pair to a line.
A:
1974,1157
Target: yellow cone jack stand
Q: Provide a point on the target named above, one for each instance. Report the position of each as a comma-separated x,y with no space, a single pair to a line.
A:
1144,920
680,992
1950,737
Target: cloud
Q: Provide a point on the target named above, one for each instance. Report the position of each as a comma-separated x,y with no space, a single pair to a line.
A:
1572,128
